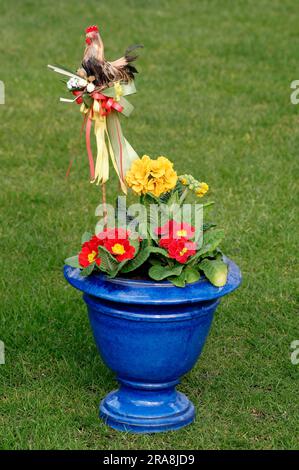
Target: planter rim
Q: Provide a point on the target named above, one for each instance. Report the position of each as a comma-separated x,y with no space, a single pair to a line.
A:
133,291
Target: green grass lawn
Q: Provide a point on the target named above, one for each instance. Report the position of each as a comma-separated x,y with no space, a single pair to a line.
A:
213,96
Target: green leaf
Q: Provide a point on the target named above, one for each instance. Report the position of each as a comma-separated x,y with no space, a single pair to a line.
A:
176,192
174,199
210,254
88,100
162,272
156,214
144,252
86,237
87,271
117,269
157,250
208,204
108,263
187,276
135,243
207,209
179,188
191,275
154,261
150,198
207,226
73,261
139,259
164,198
215,271
178,281
211,239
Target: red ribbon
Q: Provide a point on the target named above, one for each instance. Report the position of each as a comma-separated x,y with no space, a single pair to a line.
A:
107,104
78,93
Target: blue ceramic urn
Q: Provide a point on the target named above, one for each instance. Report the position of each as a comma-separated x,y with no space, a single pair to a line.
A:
149,334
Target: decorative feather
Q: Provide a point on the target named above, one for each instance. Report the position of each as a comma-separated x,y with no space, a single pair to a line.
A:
131,58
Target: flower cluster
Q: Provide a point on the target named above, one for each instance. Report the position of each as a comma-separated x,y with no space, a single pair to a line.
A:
172,251
179,249
116,241
176,239
76,83
173,229
199,188
151,176
89,253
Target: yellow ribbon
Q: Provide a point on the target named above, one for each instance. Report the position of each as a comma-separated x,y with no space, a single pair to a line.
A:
104,147
118,91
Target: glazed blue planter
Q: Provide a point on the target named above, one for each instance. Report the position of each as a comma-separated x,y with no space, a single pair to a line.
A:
149,334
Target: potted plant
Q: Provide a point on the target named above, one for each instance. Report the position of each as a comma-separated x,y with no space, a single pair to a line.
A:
152,273
151,284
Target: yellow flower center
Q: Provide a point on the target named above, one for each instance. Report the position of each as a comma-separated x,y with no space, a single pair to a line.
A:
181,233
118,249
183,251
91,256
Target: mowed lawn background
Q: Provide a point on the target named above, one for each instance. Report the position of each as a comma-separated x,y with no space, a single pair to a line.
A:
213,96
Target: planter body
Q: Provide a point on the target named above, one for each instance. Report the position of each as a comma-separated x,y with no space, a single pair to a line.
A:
149,334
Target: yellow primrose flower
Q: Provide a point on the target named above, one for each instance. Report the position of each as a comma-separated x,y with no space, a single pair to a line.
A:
152,176
201,191
160,166
183,181
157,168
137,176
156,187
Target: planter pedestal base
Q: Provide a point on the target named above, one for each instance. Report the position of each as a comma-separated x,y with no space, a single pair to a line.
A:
146,408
